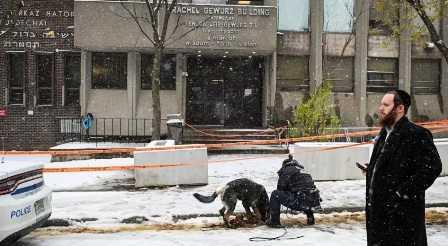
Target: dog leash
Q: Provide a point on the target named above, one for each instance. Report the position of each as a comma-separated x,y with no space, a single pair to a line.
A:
281,237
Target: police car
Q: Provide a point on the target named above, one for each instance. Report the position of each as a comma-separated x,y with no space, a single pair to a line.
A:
25,200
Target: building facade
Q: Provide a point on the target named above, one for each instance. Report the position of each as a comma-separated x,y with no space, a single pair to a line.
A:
345,42
39,73
235,64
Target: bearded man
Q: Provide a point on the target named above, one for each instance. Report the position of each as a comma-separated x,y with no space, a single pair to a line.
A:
404,163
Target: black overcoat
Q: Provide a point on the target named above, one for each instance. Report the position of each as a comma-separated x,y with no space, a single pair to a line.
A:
405,166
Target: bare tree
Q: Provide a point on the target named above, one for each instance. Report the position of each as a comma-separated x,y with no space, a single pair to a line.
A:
156,15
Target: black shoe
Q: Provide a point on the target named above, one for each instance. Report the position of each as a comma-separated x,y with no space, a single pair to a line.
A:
274,225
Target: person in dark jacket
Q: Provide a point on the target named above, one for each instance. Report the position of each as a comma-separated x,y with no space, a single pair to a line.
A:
295,190
404,163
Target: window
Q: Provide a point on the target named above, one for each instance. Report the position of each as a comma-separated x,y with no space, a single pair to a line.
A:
293,15
382,74
425,76
16,78
72,78
339,71
167,72
293,73
338,15
45,72
109,70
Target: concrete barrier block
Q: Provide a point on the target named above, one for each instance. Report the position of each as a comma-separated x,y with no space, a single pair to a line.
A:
331,164
191,167
324,162
442,148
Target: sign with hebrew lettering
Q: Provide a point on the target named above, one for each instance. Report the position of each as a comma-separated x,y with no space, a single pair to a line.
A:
37,25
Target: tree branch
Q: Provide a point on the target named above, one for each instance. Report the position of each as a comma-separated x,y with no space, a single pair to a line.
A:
168,10
435,36
136,20
154,16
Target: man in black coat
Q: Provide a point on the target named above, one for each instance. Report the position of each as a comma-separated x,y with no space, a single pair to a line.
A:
295,190
404,163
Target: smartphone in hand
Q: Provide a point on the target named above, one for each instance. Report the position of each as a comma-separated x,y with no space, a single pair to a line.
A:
363,167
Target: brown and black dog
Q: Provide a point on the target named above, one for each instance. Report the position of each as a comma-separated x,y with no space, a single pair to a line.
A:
251,194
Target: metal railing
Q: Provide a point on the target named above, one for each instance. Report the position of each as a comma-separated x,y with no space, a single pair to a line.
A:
107,129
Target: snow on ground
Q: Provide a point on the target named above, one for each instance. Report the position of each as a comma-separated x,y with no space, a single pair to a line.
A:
107,197
322,235
113,206
102,195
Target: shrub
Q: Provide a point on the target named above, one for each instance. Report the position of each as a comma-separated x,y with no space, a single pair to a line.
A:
315,114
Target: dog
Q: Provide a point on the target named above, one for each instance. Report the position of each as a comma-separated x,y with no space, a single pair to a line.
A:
251,194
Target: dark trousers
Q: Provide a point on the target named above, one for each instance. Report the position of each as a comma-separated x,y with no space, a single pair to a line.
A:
288,199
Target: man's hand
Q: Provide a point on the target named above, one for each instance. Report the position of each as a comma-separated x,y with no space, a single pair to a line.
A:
363,167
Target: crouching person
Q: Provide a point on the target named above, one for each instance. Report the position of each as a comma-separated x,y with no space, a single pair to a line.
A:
296,191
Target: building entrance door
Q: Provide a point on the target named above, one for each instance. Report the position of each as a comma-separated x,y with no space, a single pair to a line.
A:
225,91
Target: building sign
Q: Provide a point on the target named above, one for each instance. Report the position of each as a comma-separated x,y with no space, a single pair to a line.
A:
3,112
100,25
39,24
226,26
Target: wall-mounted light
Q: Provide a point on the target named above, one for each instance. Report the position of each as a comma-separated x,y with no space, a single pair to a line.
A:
429,45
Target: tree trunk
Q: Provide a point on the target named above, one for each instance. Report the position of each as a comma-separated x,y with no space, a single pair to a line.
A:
435,36
156,111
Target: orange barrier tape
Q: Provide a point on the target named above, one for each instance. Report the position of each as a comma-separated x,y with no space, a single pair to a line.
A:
228,135
88,151
108,168
124,168
435,127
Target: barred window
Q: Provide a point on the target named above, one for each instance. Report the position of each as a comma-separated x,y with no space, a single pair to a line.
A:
109,70
425,76
293,73
16,78
72,78
167,72
382,74
45,76
339,72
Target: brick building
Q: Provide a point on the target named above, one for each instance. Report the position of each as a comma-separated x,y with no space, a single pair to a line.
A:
39,73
